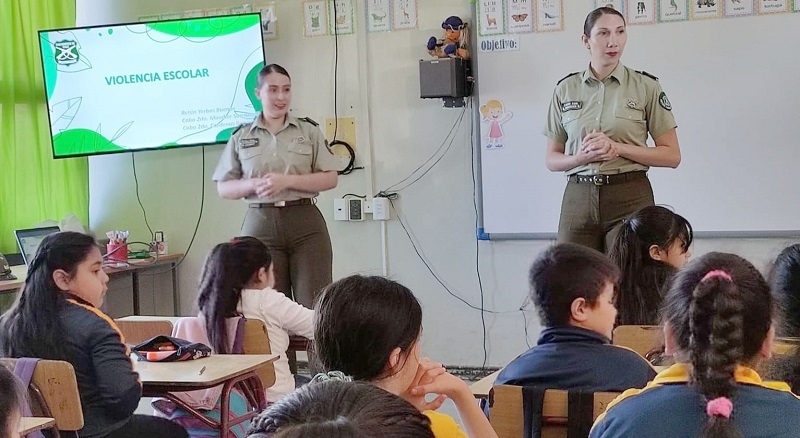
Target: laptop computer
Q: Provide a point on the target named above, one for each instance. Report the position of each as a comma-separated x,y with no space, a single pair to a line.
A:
29,240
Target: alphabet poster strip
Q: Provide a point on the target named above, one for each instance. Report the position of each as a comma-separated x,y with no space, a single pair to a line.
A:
404,14
379,16
549,15
772,6
673,10
341,14
739,8
519,16
491,17
706,9
796,6
269,21
243,9
315,13
641,11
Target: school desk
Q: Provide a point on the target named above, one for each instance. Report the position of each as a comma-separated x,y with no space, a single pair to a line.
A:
32,424
133,271
160,379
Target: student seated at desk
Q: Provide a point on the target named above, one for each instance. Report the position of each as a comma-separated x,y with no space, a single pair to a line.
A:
573,288
718,316
341,409
57,317
237,279
10,404
785,280
369,328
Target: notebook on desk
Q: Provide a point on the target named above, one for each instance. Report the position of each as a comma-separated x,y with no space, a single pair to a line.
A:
29,240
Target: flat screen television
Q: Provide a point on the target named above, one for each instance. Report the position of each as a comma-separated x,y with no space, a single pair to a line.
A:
150,85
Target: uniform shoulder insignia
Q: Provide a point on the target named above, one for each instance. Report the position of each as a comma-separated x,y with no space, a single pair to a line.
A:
239,128
642,72
567,76
308,120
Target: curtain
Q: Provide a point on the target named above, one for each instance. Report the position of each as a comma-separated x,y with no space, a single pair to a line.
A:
33,186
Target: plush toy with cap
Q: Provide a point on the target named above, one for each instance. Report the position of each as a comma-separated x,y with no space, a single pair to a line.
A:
455,40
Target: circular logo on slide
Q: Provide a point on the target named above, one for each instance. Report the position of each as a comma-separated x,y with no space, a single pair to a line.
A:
66,52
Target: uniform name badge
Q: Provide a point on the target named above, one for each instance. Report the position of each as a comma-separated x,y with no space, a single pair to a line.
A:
571,105
248,143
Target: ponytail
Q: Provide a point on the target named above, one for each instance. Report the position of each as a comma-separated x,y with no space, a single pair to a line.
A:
715,345
228,269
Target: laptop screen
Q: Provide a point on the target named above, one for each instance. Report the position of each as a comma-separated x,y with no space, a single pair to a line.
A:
29,240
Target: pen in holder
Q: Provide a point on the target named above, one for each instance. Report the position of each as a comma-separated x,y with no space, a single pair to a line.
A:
117,251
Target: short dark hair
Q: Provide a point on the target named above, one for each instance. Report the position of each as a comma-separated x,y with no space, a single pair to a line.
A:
271,68
785,280
336,409
588,24
359,320
720,310
13,397
565,272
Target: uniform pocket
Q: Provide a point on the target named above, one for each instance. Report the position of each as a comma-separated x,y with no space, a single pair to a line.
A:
300,148
632,114
248,153
569,116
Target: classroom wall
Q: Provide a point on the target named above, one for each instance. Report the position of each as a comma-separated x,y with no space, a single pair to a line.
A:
378,81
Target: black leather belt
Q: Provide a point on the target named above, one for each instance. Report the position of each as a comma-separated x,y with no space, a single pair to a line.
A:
602,180
303,201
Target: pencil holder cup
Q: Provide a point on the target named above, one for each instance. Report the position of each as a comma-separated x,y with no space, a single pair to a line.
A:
117,252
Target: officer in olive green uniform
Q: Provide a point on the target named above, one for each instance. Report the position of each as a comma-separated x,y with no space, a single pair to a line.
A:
290,225
626,106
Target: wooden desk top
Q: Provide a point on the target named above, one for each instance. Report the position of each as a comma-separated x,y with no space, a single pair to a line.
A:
32,424
21,271
218,369
148,318
481,388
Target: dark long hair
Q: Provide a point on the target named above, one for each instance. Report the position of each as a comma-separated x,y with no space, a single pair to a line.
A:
592,17
359,320
720,323
31,327
643,278
228,268
336,409
12,399
785,280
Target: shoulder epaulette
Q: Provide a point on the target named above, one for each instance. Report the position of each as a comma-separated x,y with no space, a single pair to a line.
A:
565,77
239,128
308,120
642,72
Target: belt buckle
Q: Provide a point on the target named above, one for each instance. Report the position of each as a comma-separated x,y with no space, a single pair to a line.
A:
599,180
280,204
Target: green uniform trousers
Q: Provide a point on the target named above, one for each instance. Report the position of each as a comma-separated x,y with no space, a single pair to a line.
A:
300,245
591,214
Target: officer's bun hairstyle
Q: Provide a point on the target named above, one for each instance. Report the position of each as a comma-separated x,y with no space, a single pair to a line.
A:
564,273
588,25
337,409
720,310
271,68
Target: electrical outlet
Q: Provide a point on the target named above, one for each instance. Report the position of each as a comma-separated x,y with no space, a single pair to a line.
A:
380,209
355,211
339,209
367,207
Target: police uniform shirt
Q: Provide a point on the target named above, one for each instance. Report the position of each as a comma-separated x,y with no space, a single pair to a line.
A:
625,106
298,148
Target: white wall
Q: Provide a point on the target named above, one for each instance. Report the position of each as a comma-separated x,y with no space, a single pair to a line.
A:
404,131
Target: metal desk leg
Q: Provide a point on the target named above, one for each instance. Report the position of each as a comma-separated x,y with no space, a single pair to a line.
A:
176,301
135,284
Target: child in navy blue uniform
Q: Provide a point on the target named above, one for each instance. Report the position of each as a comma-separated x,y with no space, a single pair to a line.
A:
574,287
718,316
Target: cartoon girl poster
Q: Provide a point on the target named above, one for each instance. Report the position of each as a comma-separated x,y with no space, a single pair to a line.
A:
493,113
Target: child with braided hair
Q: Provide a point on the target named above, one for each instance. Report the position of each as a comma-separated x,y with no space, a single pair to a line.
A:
718,325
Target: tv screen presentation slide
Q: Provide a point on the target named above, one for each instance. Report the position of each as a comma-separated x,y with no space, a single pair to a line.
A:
151,85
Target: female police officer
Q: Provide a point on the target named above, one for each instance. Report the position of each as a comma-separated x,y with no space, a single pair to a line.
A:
278,163
597,128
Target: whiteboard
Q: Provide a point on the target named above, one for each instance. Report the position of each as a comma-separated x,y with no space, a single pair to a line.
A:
734,84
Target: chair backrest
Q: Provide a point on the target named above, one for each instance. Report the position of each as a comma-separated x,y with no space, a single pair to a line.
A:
53,392
643,339
506,412
256,341
136,332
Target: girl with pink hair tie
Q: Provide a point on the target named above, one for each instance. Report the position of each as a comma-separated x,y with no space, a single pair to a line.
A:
718,325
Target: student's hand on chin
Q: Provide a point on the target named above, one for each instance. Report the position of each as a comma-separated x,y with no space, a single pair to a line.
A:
427,372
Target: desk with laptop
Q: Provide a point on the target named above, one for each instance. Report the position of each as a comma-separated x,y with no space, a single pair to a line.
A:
133,272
